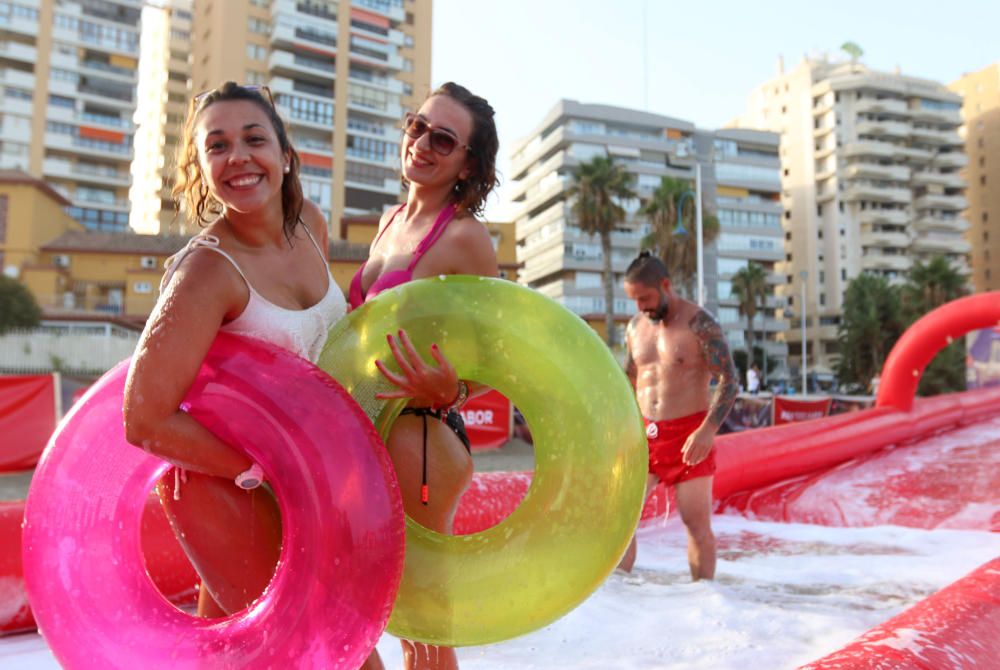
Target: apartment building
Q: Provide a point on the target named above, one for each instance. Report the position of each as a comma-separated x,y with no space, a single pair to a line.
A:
744,182
68,74
341,72
980,93
558,259
870,182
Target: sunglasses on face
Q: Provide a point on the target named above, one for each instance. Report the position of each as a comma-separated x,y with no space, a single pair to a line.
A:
262,91
442,141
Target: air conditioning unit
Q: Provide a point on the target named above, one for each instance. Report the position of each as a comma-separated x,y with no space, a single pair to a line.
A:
61,261
148,262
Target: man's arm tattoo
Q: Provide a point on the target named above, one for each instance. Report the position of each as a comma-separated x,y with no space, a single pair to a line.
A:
720,365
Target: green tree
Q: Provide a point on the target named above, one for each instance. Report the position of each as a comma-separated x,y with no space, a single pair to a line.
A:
930,285
870,325
677,245
853,50
599,186
18,308
749,286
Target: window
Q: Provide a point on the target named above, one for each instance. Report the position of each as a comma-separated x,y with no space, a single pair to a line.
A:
142,287
256,52
822,277
61,261
982,180
148,262
822,299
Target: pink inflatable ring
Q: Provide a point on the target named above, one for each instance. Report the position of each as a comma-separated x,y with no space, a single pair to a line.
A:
342,550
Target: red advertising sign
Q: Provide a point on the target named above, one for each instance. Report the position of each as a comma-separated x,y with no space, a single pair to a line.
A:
790,410
488,420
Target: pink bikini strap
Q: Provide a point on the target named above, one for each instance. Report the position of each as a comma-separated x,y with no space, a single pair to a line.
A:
442,221
389,223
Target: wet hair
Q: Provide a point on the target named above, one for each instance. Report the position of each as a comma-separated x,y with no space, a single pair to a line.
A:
646,269
470,193
189,183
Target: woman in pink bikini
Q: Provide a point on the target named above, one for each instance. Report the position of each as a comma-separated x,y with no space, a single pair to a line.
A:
448,162
260,269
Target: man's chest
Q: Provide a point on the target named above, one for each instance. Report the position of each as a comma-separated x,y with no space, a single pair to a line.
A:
665,347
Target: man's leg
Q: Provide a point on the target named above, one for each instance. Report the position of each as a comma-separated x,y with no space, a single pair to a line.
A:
694,503
628,560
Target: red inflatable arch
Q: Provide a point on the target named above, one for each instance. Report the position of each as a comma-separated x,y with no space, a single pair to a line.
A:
925,338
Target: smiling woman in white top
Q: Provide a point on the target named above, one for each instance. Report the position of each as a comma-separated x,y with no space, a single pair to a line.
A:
260,269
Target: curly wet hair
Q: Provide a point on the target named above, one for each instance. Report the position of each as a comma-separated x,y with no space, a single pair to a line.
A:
189,183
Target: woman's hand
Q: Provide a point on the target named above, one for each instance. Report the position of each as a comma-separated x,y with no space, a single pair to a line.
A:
428,385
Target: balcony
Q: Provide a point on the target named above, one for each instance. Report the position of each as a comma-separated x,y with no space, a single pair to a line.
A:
943,116
899,217
287,63
80,145
393,10
17,78
947,180
877,193
885,106
945,202
952,224
876,171
939,243
937,137
951,159
870,148
884,128
19,52
63,169
871,238
914,153
897,263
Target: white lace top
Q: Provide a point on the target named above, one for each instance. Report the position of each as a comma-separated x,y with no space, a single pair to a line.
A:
301,331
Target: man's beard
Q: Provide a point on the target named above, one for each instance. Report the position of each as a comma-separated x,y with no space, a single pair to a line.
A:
660,313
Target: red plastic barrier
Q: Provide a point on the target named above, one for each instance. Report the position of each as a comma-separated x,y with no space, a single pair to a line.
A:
15,614
925,338
957,628
166,563
28,415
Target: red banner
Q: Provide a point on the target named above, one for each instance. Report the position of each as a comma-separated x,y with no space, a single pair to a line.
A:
488,420
790,410
28,415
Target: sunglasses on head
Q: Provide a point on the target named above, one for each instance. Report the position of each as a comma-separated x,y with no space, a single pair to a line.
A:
442,141
259,89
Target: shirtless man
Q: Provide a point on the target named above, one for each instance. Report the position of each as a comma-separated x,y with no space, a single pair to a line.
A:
674,349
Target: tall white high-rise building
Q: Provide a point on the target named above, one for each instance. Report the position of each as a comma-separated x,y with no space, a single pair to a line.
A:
870,183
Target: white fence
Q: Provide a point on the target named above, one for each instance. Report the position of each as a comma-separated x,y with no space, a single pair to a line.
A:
75,349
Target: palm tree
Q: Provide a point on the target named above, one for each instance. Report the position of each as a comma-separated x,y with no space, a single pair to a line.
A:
676,245
869,327
930,285
749,286
599,185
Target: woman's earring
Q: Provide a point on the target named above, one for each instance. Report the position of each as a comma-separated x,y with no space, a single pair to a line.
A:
288,168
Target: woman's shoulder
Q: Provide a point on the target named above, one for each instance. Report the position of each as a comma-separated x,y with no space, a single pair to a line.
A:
473,237
314,219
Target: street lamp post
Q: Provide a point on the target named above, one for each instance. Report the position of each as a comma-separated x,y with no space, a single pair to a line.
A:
803,275
699,241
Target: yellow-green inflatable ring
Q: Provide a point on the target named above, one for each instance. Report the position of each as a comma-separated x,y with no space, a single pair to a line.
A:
585,498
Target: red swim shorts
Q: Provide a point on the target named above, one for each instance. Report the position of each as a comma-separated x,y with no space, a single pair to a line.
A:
666,439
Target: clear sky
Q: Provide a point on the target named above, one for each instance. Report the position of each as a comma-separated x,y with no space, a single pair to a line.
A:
703,57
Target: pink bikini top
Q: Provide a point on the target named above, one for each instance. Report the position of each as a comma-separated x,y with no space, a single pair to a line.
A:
358,296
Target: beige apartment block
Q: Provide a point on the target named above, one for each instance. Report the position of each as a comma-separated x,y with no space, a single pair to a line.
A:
871,182
341,72
68,74
980,93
